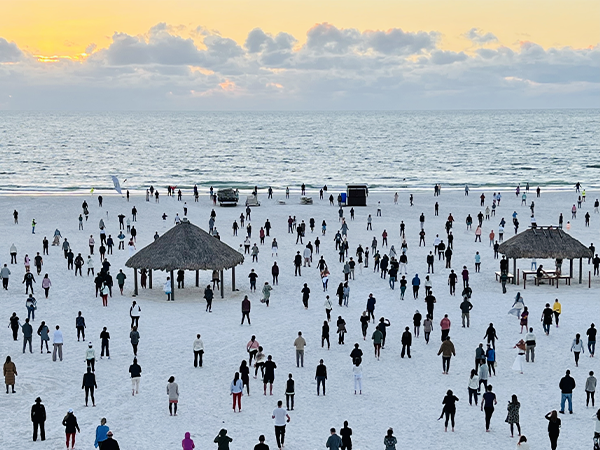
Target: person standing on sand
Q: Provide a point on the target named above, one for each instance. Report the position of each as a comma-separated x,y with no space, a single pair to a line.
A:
390,440
487,403
334,442
173,393
554,424
269,376
449,409
246,310
237,390
71,426
281,418
447,351
222,440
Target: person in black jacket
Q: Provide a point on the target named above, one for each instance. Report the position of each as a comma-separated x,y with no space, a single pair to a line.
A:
430,260
566,385
289,393
109,443
321,376
406,342
136,372
71,427
345,433
305,295
449,410
105,336
38,417
297,264
89,384
356,355
208,295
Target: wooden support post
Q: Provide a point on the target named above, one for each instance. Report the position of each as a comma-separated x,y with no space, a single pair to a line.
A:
150,278
589,279
135,284
172,286
517,275
233,279
222,285
514,270
580,270
197,278
571,268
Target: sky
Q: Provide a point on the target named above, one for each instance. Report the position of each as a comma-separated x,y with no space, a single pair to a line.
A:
298,54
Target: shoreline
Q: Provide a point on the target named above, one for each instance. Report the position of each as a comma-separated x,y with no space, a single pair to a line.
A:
293,190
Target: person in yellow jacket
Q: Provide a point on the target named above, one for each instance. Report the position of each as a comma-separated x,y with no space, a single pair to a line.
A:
557,309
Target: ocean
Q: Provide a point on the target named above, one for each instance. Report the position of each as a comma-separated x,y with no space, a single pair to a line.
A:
70,151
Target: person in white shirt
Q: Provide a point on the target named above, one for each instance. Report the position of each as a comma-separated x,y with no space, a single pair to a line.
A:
135,312
58,343
473,386
90,356
577,348
306,254
281,418
530,345
357,371
198,351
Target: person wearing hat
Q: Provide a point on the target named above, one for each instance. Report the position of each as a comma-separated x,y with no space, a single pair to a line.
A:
38,417
110,443
101,431
90,356
71,427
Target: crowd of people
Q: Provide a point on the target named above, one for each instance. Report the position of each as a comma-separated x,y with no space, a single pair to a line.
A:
331,258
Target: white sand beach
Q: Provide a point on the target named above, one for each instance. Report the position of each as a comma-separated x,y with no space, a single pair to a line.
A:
405,394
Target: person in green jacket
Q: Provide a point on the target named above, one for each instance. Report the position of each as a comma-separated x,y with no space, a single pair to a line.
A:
222,440
121,280
377,340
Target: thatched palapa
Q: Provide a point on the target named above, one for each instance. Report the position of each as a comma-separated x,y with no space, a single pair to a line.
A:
545,243
187,247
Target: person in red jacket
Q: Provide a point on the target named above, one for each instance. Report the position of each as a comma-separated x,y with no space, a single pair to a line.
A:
445,326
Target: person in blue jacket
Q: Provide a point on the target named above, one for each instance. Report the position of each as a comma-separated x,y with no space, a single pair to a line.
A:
416,282
101,431
490,355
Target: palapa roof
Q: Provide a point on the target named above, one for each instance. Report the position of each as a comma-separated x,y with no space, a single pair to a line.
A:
544,243
186,246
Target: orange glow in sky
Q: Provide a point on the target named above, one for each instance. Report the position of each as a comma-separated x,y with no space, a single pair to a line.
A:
68,27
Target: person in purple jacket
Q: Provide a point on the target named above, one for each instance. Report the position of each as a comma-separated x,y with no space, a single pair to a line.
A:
187,443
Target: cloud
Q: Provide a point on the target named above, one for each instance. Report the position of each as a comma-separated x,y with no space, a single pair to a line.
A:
441,57
398,42
174,67
477,36
160,47
9,52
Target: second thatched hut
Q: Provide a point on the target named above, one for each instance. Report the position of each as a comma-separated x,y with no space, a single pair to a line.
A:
545,243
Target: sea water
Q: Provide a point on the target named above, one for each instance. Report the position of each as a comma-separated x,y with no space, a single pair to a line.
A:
387,150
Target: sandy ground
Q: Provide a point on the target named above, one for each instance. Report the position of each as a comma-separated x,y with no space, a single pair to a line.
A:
405,394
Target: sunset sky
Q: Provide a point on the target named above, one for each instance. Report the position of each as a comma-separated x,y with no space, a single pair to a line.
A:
292,54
